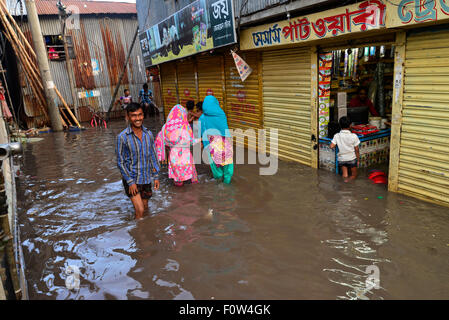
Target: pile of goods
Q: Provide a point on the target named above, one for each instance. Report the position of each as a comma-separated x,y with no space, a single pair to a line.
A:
364,129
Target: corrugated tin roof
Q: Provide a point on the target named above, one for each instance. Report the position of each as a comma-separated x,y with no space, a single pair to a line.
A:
48,7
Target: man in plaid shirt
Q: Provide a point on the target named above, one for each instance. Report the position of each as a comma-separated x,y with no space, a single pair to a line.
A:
137,160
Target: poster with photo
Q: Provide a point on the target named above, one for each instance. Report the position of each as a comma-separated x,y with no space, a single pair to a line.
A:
198,27
154,39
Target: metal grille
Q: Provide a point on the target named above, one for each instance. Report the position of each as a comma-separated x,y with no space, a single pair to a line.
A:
169,95
286,101
210,77
243,103
424,156
186,81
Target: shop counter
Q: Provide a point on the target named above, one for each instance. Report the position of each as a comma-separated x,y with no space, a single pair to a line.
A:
374,149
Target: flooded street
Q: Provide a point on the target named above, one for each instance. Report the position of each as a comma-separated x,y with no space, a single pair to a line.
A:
300,234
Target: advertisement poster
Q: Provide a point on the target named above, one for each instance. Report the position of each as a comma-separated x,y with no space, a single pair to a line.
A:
200,26
243,68
324,85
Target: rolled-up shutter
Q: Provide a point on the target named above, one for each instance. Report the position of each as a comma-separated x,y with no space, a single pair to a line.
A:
186,82
168,78
287,101
243,108
424,157
210,78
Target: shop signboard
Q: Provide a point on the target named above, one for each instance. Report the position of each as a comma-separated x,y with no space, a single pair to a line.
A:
408,12
363,16
203,25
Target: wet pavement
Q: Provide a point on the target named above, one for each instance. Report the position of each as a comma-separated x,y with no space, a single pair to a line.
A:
300,234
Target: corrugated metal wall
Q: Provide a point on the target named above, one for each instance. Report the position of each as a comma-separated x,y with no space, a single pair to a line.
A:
88,46
286,101
424,151
251,6
89,43
243,100
58,70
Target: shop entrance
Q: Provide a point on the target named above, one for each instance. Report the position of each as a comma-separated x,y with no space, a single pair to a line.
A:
356,82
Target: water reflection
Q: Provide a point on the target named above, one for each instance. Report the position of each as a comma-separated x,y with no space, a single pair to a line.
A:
301,234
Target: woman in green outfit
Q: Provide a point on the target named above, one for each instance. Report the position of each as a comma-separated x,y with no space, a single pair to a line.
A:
217,139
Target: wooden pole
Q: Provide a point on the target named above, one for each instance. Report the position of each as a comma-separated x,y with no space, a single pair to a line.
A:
42,60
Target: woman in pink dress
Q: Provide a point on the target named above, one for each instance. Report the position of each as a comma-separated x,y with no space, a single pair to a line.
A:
177,135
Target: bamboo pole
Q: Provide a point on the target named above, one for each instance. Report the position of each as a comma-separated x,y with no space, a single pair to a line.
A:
30,68
27,57
34,69
27,67
8,26
20,49
64,124
29,61
67,107
19,31
23,56
64,116
36,85
58,93
28,64
33,82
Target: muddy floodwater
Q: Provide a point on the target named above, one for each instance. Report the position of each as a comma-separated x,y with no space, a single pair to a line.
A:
300,234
